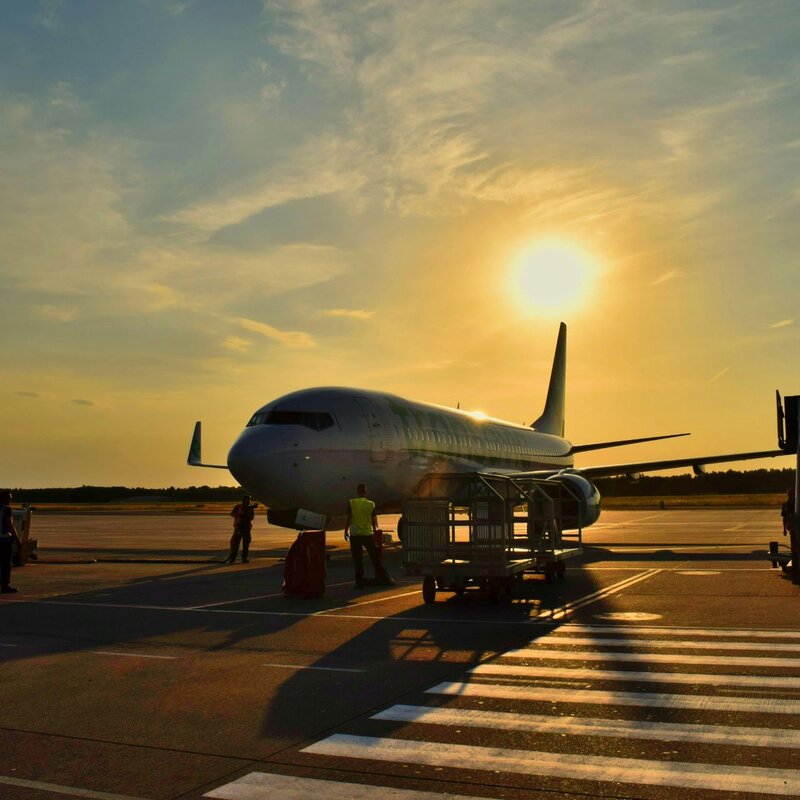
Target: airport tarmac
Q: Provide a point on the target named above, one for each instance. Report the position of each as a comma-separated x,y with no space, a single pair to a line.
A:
136,665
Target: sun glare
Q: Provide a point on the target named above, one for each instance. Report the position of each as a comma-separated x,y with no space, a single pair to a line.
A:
552,277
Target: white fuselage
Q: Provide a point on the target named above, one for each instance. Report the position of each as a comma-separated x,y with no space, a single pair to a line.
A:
310,449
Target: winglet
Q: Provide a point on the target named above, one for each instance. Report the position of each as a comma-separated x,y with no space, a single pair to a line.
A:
552,419
194,459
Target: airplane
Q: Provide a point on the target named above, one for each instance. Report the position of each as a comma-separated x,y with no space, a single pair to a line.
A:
303,453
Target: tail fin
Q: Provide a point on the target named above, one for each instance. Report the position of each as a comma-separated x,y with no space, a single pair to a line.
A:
552,419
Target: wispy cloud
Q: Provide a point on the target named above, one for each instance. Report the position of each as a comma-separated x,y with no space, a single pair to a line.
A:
28,394
784,323
718,375
56,313
666,276
355,313
325,165
83,402
292,339
237,343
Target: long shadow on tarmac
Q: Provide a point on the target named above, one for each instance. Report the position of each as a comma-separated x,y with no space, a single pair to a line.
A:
210,609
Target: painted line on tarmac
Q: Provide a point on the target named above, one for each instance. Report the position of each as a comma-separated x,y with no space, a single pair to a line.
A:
329,611
257,597
530,622
131,655
604,769
68,790
593,726
634,521
653,658
7,645
691,678
687,702
656,630
559,638
322,669
264,786
601,594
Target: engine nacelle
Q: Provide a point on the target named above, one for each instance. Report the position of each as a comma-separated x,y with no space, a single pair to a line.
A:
588,500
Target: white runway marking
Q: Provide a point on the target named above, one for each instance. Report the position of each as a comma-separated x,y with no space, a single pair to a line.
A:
784,782
601,594
632,616
264,786
323,669
698,572
591,726
256,597
558,638
7,645
68,790
654,630
366,603
131,655
550,694
654,658
691,678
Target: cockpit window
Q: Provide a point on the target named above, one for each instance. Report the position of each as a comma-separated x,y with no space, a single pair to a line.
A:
316,420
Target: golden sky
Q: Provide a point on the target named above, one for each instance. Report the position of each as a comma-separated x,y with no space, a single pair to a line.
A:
206,205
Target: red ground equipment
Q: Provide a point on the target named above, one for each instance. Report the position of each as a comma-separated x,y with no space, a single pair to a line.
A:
304,570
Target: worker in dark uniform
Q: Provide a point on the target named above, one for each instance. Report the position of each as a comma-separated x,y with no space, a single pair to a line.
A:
8,535
359,527
787,509
242,514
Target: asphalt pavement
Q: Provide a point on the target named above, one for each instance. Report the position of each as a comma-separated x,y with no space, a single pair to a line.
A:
136,664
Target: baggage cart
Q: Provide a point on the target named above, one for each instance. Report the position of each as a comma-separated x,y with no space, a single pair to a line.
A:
487,531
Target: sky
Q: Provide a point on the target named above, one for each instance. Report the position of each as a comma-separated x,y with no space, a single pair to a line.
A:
205,205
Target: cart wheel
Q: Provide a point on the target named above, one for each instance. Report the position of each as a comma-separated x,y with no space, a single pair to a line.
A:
401,529
561,570
785,568
429,589
458,588
549,572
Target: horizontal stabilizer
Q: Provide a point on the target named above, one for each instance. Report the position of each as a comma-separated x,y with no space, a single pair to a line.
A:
582,448
194,458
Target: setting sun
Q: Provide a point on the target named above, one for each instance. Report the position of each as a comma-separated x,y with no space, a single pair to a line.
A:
551,277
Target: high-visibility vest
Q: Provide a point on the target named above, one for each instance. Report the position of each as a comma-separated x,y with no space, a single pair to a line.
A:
361,516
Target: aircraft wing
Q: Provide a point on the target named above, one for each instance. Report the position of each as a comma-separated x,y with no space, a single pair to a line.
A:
696,464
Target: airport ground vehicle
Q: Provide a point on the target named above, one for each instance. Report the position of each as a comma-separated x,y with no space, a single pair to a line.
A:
488,530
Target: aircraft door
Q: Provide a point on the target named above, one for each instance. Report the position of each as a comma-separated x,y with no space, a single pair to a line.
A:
379,433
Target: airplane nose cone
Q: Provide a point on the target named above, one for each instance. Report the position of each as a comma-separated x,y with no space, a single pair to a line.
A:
249,454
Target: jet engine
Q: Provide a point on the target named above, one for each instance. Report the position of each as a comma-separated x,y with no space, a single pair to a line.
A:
585,509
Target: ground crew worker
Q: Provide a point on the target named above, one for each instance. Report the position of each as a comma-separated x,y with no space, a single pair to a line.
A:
361,523
242,514
787,509
8,535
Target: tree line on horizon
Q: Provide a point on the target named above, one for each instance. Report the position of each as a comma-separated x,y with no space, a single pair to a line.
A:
122,494
759,481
